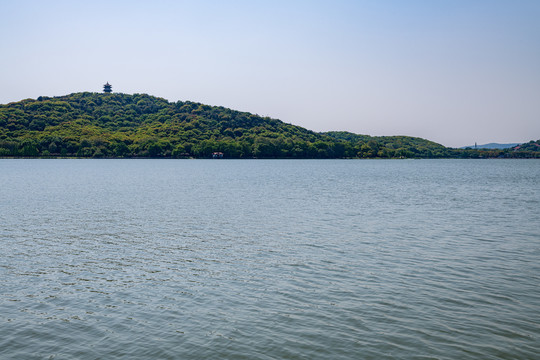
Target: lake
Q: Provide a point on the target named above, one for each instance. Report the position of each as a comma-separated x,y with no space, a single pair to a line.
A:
269,259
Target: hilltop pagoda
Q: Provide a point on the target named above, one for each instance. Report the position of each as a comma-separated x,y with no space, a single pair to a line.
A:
107,88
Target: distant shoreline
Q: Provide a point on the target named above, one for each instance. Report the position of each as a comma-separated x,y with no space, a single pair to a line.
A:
115,125
228,159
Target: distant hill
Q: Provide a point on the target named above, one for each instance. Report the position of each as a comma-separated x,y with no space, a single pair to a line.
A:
121,125
491,146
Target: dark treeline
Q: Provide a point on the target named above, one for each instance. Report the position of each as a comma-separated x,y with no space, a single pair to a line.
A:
120,125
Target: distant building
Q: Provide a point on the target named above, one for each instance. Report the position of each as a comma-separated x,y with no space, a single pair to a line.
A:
107,88
217,155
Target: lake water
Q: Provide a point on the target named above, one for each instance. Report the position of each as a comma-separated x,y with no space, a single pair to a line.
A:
256,259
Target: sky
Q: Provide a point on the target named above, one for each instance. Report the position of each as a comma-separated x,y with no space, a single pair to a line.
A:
450,71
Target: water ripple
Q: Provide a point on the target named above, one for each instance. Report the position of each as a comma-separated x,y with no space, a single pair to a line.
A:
299,260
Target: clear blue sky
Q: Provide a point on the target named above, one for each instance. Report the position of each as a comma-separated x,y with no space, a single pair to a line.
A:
455,72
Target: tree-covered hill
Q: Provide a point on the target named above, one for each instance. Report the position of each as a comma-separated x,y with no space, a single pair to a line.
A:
391,146
121,125
526,150
530,146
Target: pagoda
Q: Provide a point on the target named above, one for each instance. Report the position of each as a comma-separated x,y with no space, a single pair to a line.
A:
107,88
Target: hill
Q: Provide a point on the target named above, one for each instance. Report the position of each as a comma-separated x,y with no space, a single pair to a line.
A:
491,146
121,125
531,146
391,146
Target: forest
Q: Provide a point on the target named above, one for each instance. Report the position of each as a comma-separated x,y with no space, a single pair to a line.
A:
116,125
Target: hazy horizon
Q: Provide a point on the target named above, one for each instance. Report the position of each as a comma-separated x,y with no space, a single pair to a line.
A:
454,73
